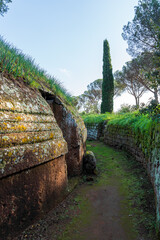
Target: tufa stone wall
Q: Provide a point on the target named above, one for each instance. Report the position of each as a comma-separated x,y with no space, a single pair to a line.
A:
95,130
92,131
74,132
146,153
33,171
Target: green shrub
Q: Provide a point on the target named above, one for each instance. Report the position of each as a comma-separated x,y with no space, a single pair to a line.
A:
96,118
152,110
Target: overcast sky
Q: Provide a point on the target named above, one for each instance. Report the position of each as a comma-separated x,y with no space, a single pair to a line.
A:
65,37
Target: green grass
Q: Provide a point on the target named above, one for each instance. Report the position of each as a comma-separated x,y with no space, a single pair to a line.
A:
142,126
134,185
15,64
97,118
82,219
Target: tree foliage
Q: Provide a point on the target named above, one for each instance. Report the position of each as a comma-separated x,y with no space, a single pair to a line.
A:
4,6
128,79
126,108
139,75
143,33
149,72
90,100
108,81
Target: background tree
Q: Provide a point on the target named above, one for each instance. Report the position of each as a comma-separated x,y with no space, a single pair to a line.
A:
108,81
143,33
4,6
126,108
149,72
90,100
127,80
143,38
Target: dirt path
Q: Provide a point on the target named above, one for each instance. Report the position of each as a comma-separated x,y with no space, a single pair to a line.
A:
106,220
117,205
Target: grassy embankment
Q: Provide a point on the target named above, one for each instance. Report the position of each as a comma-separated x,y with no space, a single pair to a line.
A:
144,126
16,65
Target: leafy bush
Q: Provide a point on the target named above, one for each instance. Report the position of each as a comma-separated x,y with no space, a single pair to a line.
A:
152,110
97,118
126,108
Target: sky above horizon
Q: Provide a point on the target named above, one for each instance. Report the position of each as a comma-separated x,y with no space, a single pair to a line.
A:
65,37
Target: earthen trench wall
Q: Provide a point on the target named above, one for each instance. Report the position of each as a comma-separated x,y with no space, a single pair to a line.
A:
124,138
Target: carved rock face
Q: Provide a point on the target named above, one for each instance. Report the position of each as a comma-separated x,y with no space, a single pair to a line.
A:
27,196
29,134
33,171
74,133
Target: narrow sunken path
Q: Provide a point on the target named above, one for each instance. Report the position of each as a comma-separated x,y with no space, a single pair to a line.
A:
117,204
114,206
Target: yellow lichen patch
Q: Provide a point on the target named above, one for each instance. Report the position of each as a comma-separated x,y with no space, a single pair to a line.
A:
24,140
9,154
59,144
21,128
51,135
5,138
18,118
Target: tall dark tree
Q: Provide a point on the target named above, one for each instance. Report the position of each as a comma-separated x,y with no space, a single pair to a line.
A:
4,6
108,81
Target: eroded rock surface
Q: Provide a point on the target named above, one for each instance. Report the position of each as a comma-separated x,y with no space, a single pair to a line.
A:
33,170
74,133
95,131
125,138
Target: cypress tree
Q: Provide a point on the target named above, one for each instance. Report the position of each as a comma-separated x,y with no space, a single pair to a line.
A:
108,82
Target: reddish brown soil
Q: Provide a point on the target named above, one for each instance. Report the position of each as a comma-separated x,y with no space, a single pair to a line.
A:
106,220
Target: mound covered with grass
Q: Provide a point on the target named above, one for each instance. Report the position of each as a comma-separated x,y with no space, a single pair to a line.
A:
16,65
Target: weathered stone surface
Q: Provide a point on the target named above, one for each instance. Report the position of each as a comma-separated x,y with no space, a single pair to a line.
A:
92,131
24,197
29,134
124,138
89,162
95,130
16,96
74,133
33,172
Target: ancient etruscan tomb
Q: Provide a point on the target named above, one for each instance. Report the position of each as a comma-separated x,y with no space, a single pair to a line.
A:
33,171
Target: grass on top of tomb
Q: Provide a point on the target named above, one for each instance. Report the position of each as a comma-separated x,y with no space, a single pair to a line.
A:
16,65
